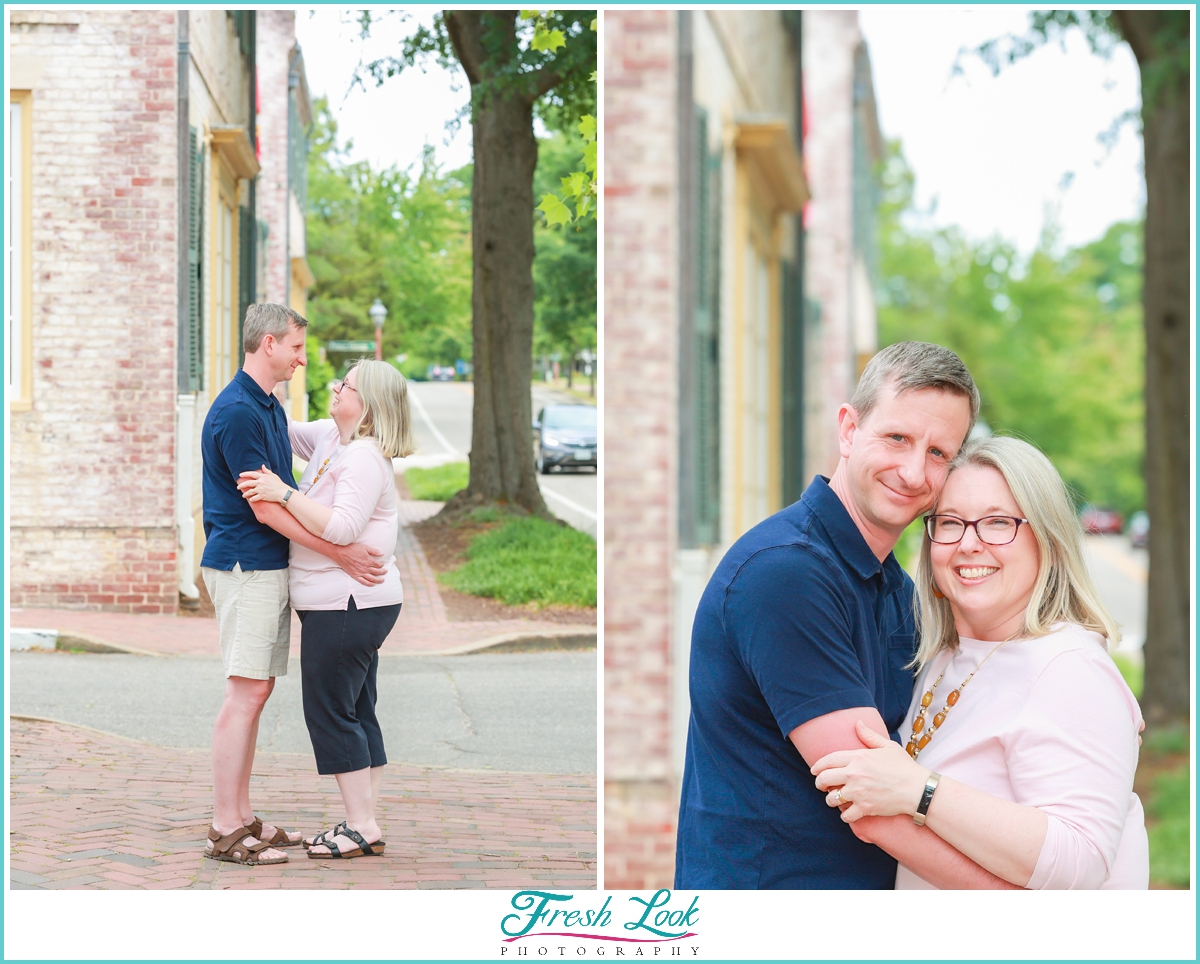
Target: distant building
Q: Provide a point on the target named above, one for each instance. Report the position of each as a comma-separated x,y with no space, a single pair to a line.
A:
739,199
138,238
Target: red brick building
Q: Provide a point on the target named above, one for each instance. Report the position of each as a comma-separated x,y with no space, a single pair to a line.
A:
739,195
136,232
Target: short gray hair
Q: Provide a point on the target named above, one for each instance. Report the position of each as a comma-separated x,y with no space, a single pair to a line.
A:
268,319
911,366
1064,591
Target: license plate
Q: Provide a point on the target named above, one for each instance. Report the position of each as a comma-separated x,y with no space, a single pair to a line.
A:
585,454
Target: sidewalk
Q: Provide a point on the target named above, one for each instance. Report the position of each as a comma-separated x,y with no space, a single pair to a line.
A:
97,812
422,628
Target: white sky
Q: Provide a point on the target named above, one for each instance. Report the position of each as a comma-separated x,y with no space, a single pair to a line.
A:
389,124
994,150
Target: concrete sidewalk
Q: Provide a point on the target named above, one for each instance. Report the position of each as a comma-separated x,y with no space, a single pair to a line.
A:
423,627
98,812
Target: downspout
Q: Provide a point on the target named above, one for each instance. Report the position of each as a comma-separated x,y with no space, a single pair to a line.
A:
185,399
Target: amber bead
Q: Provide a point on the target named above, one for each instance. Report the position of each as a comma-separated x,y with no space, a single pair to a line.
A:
927,698
918,724
923,742
911,748
937,720
952,698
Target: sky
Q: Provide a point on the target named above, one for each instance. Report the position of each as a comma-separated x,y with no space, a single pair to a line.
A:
389,125
998,152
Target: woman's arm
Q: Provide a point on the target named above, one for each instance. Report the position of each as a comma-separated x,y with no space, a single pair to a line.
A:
305,435
359,562
266,486
918,848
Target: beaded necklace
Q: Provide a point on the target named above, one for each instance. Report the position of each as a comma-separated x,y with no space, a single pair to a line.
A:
321,471
918,741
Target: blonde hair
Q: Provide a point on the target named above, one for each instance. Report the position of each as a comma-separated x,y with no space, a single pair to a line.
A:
383,393
1063,592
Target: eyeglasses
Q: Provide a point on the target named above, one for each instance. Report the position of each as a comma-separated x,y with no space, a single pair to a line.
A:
995,530
340,384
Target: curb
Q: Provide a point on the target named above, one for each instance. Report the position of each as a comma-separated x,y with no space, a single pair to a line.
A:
63,642
521,642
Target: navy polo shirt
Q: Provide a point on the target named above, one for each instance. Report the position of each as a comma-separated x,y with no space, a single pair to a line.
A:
800,619
244,430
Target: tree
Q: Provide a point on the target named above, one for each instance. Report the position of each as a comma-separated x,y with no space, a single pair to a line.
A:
509,74
1160,40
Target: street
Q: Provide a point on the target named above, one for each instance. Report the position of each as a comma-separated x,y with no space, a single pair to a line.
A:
520,712
1120,575
442,429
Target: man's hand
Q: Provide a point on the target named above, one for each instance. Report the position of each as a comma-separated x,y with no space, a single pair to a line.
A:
359,563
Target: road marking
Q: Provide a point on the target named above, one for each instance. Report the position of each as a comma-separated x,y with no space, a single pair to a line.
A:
433,428
569,504
1134,570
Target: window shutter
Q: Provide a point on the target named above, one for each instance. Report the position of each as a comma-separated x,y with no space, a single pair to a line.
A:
246,232
707,345
194,334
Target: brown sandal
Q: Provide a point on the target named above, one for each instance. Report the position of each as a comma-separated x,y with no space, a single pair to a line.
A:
281,839
232,847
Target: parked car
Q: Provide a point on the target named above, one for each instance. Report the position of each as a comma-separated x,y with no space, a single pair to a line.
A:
1097,521
441,373
564,436
1139,529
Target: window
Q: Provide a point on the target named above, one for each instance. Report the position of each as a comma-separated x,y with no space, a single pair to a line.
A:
19,291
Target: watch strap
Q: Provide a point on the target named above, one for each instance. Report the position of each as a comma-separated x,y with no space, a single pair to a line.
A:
931,784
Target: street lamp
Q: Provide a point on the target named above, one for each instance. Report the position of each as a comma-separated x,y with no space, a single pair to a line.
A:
378,313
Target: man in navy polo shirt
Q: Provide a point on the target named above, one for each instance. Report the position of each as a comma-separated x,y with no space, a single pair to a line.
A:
806,627
245,565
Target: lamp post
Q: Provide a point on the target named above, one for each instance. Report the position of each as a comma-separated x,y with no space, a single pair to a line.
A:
378,313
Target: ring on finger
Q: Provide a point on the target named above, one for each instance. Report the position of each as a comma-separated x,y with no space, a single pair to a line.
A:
837,797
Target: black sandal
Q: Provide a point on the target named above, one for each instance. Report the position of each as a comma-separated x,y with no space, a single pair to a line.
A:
363,849
320,839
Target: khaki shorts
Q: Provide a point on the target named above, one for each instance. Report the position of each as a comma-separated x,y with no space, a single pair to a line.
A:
254,619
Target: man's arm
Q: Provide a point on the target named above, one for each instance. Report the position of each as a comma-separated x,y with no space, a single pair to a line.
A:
356,560
918,848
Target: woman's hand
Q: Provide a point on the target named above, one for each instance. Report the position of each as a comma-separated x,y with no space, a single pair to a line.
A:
262,486
877,782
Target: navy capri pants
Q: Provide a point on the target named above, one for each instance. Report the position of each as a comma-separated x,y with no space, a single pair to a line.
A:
339,660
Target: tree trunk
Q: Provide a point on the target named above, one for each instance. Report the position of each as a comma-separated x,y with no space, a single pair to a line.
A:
502,212
1166,300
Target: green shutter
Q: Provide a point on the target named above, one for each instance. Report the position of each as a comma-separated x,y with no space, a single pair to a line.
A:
707,333
246,232
195,330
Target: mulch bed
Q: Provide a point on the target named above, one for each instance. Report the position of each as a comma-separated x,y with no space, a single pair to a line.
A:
445,548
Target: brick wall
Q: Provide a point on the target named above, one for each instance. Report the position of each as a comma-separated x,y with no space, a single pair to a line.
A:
276,37
641,439
91,470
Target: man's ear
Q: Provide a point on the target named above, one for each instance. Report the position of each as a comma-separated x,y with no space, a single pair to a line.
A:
847,426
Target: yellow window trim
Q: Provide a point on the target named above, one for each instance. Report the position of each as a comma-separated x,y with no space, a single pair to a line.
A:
224,192
24,402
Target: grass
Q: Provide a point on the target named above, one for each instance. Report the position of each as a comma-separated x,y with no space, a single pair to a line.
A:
529,561
1131,670
439,483
1168,809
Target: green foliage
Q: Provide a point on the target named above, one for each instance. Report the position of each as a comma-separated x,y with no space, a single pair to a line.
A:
318,374
908,547
439,483
1054,341
564,270
1168,810
400,236
529,560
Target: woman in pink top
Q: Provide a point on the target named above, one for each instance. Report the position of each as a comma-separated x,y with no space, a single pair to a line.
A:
1024,736
347,494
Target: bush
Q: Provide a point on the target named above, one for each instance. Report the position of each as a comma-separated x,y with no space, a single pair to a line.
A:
529,560
437,484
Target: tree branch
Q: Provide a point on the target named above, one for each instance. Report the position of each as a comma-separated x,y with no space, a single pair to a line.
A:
463,27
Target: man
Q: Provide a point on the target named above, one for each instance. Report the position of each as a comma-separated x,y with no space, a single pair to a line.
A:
245,568
806,627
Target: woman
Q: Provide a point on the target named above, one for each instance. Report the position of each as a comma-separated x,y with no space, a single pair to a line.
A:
347,494
1024,736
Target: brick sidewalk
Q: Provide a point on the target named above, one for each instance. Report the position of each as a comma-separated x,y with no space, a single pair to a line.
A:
423,627
98,812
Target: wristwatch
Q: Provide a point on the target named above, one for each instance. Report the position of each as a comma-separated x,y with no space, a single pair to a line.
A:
931,784
287,495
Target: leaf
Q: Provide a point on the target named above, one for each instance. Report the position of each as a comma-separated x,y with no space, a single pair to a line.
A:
556,212
531,15
548,40
594,23
587,127
592,77
575,184
589,157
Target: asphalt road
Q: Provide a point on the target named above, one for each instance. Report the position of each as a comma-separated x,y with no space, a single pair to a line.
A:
1119,572
527,712
442,430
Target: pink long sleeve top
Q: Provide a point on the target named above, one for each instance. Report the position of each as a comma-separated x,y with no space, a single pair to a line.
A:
1047,723
359,484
